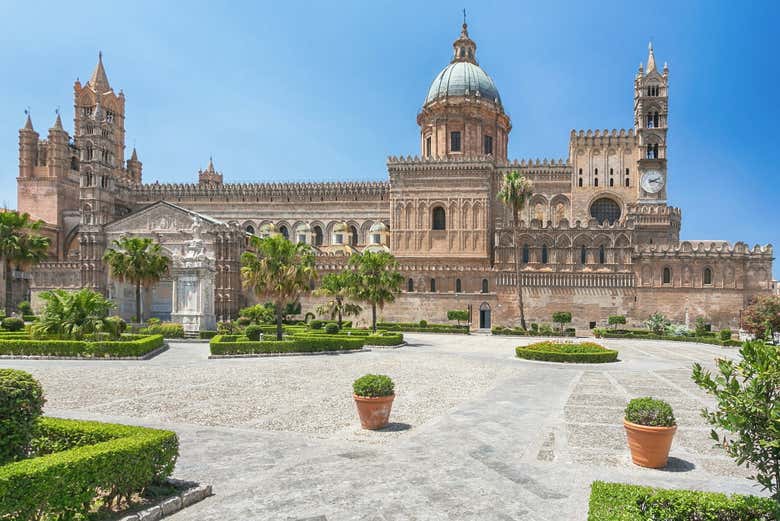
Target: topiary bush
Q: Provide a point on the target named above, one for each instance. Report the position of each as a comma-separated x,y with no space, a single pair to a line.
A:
24,308
13,324
373,385
650,412
21,403
724,334
561,318
243,321
253,332
316,324
423,323
331,328
581,352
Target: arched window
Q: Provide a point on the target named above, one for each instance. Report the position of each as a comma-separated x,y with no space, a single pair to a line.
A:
458,286
284,231
602,255
605,209
580,182
667,276
596,181
627,181
485,287
317,236
409,285
439,218
611,181
583,255
433,285
707,277
353,235
250,229
526,253
545,256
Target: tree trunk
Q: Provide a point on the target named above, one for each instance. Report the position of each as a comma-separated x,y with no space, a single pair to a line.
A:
373,316
517,274
138,303
338,310
278,322
7,288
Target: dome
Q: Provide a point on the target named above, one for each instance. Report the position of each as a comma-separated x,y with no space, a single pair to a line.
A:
463,78
378,227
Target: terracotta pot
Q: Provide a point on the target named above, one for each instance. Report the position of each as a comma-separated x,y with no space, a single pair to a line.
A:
374,412
649,445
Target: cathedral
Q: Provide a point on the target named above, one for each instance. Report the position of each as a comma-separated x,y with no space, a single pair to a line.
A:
596,238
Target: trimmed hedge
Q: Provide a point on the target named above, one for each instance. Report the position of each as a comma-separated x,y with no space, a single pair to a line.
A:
132,345
387,339
416,327
297,344
166,329
207,334
622,502
82,462
21,403
582,353
606,333
519,331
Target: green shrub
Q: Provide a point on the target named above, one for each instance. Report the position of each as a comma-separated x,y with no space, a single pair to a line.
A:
545,329
534,327
724,334
299,343
243,321
29,318
581,352
615,320
13,324
331,328
84,464
386,339
562,318
657,323
429,328
115,326
650,412
748,408
128,346
373,385
166,329
622,502
253,332
207,334
24,308
21,403
423,323
461,315
316,324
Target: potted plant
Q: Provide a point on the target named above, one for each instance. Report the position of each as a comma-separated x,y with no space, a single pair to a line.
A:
650,427
374,394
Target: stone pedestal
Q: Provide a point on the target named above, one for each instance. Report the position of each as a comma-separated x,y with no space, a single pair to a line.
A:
193,297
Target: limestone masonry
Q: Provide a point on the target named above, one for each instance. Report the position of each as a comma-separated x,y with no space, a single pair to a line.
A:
597,237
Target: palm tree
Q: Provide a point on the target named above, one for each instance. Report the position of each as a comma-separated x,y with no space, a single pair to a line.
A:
139,261
336,286
374,280
514,193
72,314
20,245
278,269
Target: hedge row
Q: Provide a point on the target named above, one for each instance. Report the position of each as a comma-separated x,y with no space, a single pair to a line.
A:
606,333
582,353
417,328
166,329
519,331
235,345
387,339
84,462
132,345
621,502
207,334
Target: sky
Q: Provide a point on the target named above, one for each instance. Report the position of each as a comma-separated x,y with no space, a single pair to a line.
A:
315,91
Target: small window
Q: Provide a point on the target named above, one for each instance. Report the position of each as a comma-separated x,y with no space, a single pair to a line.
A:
628,172
458,286
439,218
409,285
580,182
338,238
376,238
580,172
488,145
526,254
611,172
317,236
707,278
545,256
596,181
353,235
602,255
302,238
283,230
628,182
583,255
455,141
250,229
485,285
433,285
667,276
428,146
611,181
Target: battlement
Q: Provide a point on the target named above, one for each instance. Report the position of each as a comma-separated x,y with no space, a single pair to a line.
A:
333,191
603,137
564,224
706,249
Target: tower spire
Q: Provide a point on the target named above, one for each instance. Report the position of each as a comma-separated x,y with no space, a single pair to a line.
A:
650,58
99,80
465,48
28,124
58,121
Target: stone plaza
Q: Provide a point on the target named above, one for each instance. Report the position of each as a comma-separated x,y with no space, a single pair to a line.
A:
475,433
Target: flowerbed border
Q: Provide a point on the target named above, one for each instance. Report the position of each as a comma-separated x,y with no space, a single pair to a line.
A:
147,356
172,504
302,353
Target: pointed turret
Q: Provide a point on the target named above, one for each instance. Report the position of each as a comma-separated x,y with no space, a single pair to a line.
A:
135,167
99,81
28,124
210,176
650,58
58,123
134,155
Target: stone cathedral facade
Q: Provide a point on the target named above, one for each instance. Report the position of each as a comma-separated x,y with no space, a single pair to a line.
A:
596,238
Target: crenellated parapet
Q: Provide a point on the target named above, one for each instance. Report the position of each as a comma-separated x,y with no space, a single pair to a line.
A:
335,191
622,137
706,249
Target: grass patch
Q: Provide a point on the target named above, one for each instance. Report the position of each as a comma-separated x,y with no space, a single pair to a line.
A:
581,352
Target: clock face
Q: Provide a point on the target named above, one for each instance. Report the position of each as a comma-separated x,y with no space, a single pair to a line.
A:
652,181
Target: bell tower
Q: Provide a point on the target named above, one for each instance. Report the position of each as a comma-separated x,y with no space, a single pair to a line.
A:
651,112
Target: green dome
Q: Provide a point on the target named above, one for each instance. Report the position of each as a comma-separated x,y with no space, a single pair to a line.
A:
463,78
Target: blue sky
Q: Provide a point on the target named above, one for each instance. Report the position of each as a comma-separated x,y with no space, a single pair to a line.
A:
326,91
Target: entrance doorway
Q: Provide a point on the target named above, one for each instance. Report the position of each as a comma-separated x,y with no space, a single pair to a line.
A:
484,316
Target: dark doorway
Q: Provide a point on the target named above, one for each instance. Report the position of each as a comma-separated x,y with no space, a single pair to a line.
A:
484,316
